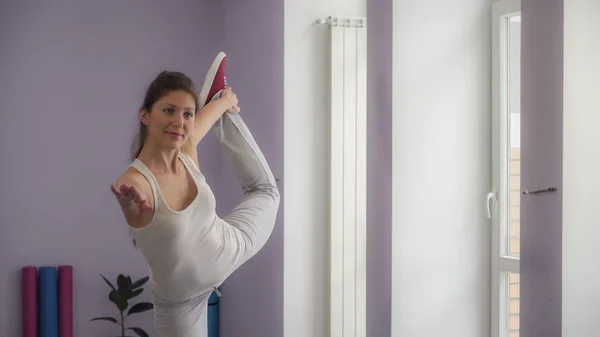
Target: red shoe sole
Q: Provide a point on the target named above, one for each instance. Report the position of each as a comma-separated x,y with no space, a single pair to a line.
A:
214,80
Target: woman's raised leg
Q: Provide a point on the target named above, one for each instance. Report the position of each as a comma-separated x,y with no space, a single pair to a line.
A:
254,217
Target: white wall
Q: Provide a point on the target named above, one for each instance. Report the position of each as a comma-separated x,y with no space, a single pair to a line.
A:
581,170
441,168
306,163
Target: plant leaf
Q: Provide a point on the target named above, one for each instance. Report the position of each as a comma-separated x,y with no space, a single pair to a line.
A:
122,282
118,300
108,282
140,282
139,331
110,319
140,307
131,294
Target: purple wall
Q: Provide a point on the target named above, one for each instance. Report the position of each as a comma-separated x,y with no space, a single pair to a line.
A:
541,142
71,83
379,170
253,40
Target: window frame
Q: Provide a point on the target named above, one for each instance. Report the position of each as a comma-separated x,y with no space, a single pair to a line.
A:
500,263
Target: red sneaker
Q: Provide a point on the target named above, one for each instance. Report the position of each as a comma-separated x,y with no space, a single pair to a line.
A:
214,80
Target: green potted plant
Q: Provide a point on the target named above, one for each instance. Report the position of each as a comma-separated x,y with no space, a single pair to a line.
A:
121,296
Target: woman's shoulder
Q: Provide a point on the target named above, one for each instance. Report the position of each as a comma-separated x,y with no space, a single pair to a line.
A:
133,177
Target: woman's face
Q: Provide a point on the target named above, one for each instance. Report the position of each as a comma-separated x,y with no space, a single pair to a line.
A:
171,120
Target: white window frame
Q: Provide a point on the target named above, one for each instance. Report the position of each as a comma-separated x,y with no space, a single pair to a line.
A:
500,263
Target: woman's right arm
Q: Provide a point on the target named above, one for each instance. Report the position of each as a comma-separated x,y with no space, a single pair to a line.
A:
135,199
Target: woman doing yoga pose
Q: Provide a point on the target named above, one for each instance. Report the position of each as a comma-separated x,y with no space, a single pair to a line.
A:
171,210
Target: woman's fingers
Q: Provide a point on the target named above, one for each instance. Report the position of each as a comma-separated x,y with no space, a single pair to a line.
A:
145,206
123,193
228,94
115,191
140,198
124,189
129,194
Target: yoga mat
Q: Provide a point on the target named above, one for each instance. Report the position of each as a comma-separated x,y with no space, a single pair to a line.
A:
48,299
65,301
29,300
213,315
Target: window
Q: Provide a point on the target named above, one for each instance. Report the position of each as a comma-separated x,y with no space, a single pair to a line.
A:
504,199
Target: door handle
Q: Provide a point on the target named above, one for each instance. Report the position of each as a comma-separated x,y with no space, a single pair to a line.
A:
545,190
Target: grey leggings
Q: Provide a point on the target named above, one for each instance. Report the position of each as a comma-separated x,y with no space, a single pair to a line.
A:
246,229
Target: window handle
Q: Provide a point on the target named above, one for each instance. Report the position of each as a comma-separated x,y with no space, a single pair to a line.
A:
490,196
549,189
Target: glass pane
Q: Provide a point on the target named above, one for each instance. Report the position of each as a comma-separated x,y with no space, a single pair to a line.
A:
513,304
514,137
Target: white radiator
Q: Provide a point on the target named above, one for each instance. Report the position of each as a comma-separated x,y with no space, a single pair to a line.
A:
348,189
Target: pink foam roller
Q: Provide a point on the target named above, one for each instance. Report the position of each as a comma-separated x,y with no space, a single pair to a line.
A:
65,301
29,300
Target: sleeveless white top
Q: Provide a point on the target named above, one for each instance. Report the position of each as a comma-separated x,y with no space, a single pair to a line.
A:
184,249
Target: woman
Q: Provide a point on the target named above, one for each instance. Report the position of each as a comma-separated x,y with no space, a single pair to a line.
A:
170,208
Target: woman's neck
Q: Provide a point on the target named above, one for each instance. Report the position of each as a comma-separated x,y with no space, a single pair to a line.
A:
160,160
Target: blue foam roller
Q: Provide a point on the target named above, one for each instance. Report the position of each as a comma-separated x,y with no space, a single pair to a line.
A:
48,297
213,315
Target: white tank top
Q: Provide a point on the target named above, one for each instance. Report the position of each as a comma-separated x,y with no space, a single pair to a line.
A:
185,250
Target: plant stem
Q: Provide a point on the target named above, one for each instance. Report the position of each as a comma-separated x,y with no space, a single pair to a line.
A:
122,325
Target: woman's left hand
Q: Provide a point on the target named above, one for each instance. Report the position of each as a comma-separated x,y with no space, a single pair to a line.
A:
232,100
